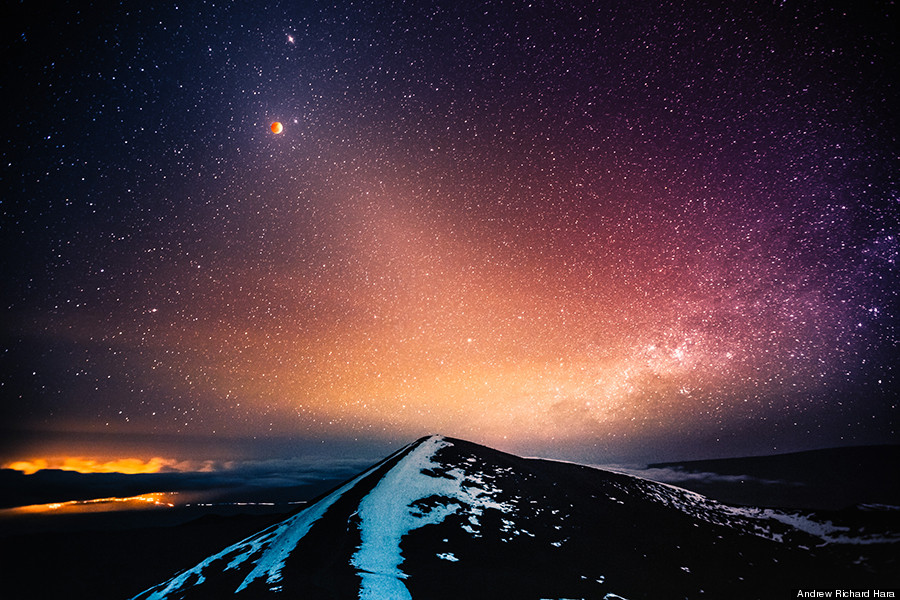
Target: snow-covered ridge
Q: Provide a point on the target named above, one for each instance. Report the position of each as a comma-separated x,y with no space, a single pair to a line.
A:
394,507
769,523
267,550
397,505
438,516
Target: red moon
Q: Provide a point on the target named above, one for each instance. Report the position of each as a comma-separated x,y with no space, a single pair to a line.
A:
276,127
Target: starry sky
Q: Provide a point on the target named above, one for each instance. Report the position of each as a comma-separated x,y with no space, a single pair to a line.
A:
588,229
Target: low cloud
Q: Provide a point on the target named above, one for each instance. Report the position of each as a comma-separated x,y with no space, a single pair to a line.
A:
44,481
680,476
136,466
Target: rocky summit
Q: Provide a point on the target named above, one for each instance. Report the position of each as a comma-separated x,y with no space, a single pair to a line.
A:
445,518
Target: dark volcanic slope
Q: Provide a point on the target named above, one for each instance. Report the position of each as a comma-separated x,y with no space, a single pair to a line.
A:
449,519
112,564
832,478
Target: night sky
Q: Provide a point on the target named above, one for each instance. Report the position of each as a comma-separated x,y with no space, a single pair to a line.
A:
595,230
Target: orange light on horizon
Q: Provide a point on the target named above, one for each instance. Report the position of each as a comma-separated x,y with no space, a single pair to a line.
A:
152,500
29,467
127,466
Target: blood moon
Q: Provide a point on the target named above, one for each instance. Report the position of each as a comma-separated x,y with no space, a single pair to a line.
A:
276,127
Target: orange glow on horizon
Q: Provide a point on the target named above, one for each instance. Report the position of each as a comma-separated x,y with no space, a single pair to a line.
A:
126,466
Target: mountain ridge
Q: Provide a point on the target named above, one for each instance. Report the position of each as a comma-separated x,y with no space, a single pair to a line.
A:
826,478
446,518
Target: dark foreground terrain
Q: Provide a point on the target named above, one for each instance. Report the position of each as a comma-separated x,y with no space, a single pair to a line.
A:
113,563
445,518
448,519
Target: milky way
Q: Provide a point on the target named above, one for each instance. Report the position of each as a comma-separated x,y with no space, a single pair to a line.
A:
604,226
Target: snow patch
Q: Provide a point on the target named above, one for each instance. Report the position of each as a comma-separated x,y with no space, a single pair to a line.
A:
416,492
767,523
272,545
